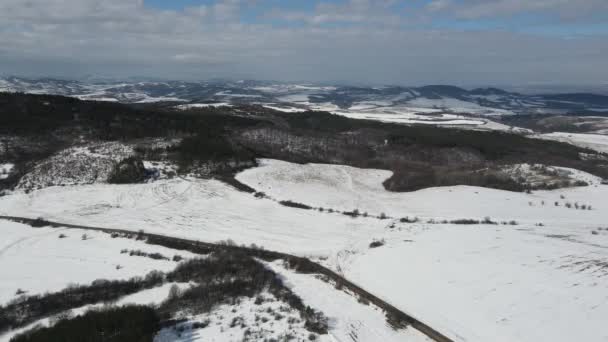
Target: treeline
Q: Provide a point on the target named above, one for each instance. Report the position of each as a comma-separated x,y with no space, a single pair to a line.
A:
40,114
114,324
27,309
221,277
221,141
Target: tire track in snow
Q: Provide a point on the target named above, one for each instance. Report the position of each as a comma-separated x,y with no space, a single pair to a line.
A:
24,239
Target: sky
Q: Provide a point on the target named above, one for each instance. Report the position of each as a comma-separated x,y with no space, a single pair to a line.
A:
408,42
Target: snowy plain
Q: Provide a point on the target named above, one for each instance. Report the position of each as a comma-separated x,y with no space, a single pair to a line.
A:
595,142
546,275
543,279
37,260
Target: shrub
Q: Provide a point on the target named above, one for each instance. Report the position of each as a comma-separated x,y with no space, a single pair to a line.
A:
259,194
40,222
295,205
377,243
354,213
201,325
129,170
487,220
465,221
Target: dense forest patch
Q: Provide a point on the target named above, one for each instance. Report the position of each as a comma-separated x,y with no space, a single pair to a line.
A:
221,141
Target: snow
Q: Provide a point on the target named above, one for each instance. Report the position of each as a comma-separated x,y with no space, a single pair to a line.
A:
203,105
491,283
271,320
526,282
5,170
592,141
410,118
474,283
294,98
229,94
192,208
347,188
37,260
153,297
407,114
77,165
285,109
365,321
458,106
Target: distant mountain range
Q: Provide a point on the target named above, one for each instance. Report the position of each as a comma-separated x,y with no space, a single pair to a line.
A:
292,97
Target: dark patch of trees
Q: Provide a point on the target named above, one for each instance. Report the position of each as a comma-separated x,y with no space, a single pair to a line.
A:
119,324
221,277
128,170
225,140
27,309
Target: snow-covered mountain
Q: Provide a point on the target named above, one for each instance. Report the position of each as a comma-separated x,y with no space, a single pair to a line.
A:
295,97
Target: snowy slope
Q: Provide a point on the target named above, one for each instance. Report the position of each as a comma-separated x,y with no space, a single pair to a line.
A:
497,284
268,320
193,208
592,141
348,188
37,260
474,283
362,322
85,164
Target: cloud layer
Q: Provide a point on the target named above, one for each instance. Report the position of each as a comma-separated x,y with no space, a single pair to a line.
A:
358,41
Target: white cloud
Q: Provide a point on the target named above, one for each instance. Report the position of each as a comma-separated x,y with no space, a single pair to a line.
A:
352,11
124,37
438,5
475,9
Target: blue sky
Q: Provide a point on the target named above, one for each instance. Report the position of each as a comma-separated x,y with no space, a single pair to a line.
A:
540,21
355,41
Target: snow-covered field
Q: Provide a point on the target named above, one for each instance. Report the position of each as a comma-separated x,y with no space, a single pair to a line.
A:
348,188
203,105
545,278
36,260
350,319
268,320
595,142
492,283
193,208
475,283
458,106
